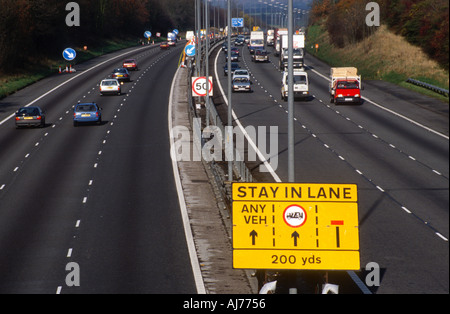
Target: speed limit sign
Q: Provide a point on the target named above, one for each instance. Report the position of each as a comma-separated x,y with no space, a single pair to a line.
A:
199,86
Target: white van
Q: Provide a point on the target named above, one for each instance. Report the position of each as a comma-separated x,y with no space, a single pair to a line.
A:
301,85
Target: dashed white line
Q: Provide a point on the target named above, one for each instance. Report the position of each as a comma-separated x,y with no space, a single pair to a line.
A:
441,236
406,209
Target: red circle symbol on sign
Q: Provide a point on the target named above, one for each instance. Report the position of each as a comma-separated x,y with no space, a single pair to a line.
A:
199,86
294,216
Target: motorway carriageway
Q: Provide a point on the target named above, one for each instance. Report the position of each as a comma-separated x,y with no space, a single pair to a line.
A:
102,196
394,146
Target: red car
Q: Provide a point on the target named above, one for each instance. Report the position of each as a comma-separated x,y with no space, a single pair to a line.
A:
164,45
130,64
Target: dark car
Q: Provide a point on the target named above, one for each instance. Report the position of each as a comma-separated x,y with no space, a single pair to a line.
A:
260,55
30,116
164,45
234,57
234,67
121,74
87,113
235,50
225,47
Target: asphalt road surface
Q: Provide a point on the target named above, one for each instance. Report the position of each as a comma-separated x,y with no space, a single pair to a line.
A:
101,196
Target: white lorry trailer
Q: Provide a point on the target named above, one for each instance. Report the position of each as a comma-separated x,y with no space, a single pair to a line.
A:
256,41
298,52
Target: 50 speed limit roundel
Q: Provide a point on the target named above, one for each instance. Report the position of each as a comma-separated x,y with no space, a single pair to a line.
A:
199,86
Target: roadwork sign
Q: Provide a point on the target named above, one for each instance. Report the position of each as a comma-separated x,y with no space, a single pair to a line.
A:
295,226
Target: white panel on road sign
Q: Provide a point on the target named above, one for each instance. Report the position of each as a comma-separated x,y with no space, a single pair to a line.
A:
69,54
237,22
190,50
199,86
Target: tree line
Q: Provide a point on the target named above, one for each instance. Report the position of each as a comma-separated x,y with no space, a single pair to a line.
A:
424,23
34,29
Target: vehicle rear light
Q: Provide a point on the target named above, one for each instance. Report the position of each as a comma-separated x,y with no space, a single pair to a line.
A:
17,118
39,117
96,114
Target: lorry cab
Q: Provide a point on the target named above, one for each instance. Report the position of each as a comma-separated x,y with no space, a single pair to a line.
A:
301,85
345,85
347,91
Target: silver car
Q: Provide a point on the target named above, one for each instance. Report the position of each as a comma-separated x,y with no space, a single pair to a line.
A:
30,116
241,84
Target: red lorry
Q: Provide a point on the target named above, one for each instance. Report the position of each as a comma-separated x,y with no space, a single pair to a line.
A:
345,85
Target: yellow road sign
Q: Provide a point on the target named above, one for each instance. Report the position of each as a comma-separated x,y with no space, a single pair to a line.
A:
295,192
291,259
298,220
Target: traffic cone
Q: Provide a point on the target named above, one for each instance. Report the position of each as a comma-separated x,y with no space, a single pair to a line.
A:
60,70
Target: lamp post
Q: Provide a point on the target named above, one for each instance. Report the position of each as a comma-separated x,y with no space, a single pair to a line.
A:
229,146
291,134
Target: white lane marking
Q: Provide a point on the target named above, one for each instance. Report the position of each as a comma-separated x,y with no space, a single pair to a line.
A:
186,224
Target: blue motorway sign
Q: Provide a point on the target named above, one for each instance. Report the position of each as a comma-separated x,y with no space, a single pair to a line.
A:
148,34
237,22
69,54
190,50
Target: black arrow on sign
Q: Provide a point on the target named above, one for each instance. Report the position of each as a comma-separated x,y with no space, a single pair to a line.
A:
253,234
295,235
